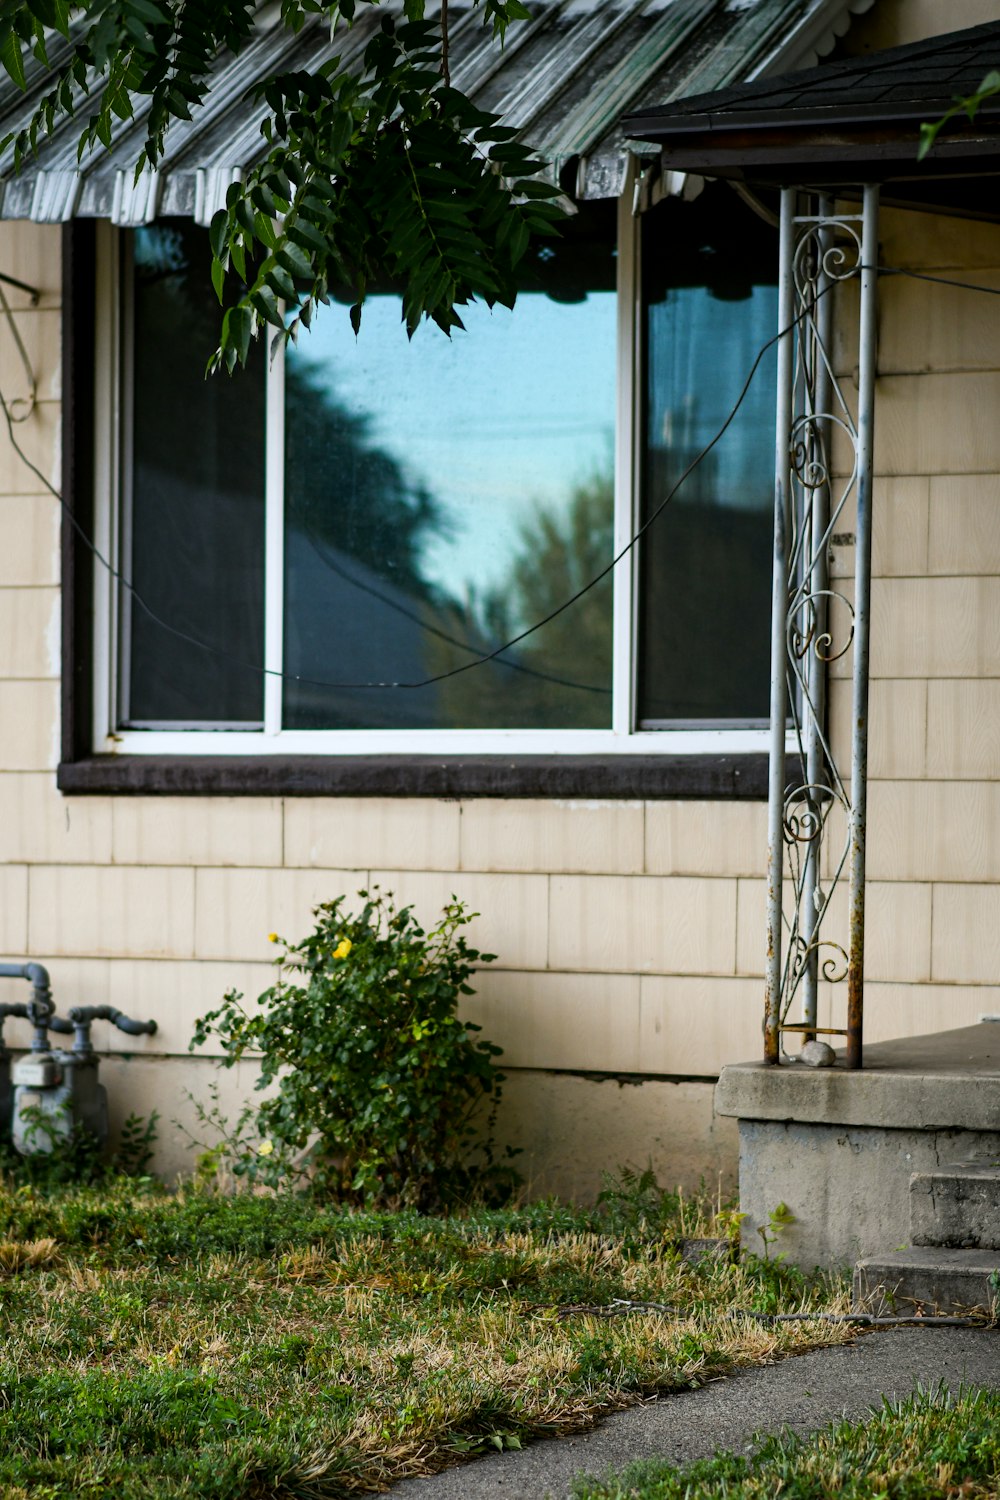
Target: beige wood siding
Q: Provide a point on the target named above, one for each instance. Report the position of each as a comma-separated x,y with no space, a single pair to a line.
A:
630,935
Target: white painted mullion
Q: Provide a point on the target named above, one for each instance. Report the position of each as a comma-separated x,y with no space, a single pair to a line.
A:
274,541
626,428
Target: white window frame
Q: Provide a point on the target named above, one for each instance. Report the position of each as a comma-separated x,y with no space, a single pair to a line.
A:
111,456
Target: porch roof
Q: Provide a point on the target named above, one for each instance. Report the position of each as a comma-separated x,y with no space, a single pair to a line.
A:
564,79
858,118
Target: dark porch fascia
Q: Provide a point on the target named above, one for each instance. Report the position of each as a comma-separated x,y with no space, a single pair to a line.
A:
837,153
845,122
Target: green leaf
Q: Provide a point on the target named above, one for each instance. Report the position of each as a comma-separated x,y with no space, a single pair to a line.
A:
264,229
265,304
242,324
534,190
243,214
928,135
292,258
280,282
262,197
10,56
218,232
151,13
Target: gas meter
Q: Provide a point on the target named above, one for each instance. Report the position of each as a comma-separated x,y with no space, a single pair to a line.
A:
49,1093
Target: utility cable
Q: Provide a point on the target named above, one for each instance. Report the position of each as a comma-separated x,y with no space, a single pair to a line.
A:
321,549
478,661
965,286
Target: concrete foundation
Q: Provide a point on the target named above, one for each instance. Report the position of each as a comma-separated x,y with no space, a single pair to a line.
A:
839,1147
572,1130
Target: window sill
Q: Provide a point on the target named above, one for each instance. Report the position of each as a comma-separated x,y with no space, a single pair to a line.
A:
710,777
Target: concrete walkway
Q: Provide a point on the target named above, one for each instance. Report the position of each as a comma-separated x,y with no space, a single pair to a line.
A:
804,1393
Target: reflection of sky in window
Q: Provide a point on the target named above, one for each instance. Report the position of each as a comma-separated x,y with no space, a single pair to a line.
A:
507,416
701,351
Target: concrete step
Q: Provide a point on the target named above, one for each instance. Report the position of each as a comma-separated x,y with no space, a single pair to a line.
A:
956,1206
931,1278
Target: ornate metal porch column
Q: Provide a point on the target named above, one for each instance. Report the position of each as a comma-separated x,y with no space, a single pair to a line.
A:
823,482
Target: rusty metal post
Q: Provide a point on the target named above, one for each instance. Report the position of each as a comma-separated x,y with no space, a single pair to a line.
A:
779,619
862,610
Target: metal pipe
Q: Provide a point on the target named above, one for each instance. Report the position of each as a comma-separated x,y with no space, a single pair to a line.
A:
779,615
862,612
9,1009
36,973
88,1013
40,1007
815,708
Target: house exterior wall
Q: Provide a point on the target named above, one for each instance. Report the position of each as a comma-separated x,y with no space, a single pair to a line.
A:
630,935
893,23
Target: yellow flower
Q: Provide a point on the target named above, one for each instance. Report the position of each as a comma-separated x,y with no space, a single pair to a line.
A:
343,948
265,1148
272,937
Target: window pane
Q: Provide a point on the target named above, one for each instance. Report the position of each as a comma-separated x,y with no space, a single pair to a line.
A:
710,303
197,498
443,495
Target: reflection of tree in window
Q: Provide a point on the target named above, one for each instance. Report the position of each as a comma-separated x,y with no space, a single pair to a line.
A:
370,553
389,520
437,504
566,666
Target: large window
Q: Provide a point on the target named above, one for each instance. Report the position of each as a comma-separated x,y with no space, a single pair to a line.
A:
325,547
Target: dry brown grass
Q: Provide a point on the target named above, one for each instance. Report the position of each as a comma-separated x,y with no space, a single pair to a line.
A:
360,1354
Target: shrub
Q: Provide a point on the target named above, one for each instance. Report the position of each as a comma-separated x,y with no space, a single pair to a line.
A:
381,1095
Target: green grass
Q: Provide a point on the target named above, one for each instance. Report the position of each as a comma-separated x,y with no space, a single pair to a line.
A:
929,1446
219,1347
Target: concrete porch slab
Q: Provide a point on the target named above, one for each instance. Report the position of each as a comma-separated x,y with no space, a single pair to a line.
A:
949,1080
839,1147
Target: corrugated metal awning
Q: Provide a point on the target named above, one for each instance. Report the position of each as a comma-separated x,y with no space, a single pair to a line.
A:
564,79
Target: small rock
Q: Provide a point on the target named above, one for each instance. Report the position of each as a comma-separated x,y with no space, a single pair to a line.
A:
696,1250
817,1055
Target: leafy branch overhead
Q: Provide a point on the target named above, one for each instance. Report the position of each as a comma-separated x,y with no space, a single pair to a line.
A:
969,106
372,170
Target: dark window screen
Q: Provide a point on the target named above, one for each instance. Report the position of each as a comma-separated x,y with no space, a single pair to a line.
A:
709,298
443,495
194,521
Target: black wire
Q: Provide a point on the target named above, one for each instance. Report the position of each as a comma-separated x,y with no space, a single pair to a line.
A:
321,550
479,661
966,286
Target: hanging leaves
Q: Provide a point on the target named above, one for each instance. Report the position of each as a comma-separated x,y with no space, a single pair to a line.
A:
372,171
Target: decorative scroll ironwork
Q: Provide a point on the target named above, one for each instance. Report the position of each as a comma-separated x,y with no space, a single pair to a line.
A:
817,825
